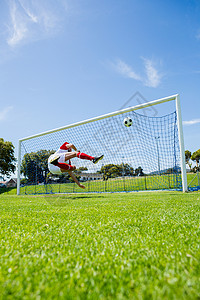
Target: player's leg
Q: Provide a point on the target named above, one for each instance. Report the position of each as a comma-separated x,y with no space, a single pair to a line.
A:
70,155
88,157
63,157
60,161
97,159
81,155
65,167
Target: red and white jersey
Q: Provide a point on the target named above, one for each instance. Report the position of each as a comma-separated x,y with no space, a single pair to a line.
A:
63,149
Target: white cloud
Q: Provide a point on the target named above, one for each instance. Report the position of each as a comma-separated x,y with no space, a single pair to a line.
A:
18,27
31,20
126,70
30,14
4,113
191,122
151,76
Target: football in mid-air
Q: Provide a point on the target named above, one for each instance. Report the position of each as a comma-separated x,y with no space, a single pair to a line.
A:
128,122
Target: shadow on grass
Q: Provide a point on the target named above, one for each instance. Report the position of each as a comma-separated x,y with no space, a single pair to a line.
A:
6,190
74,197
63,200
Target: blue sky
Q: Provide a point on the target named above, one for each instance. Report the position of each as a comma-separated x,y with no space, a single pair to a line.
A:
63,61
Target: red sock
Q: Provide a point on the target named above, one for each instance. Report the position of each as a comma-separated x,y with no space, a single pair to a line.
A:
64,166
84,156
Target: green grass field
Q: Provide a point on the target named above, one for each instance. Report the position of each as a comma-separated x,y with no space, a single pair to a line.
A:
103,246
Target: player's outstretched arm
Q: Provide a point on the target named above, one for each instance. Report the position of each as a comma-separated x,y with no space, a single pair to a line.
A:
72,146
75,179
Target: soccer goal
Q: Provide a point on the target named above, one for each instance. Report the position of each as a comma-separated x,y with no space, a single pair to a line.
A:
149,155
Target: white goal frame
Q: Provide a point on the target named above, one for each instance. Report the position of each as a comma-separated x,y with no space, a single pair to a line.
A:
175,98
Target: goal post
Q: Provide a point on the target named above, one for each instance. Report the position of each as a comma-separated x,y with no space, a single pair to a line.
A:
151,155
181,144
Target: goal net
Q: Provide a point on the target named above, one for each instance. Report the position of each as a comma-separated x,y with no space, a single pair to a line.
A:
145,156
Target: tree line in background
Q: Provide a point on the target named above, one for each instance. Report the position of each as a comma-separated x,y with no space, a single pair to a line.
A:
119,170
34,168
34,165
7,158
189,157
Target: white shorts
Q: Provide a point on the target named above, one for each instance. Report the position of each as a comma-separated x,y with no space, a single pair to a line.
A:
54,169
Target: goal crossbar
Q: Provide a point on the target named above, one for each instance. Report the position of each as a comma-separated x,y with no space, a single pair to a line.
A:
122,111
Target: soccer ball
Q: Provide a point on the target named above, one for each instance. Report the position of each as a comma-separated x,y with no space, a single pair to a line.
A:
128,122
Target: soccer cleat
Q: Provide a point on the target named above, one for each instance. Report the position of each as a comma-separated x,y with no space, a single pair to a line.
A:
96,159
54,160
